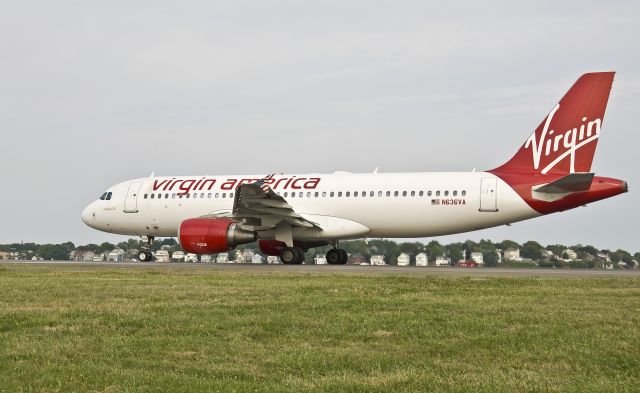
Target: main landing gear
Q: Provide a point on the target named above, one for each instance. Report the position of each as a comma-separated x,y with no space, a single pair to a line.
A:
292,256
145,254
337,256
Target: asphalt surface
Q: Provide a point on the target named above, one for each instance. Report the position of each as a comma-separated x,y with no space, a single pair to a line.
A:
334,269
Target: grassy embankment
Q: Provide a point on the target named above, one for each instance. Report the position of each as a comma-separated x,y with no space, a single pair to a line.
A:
171,331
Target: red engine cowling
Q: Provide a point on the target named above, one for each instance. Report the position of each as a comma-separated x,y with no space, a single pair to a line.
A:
212,235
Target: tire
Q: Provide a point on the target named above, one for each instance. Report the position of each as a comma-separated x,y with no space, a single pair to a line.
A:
292,256
344,257
143,257
334,257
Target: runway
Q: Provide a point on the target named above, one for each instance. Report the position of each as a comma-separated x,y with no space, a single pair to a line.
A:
332,269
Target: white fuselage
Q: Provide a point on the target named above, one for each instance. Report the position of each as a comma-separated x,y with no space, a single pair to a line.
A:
345,205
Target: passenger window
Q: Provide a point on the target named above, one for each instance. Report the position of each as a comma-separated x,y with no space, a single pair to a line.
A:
217,195
293,194
429,193
355,193
464,193
301,194
404,193
166,196
331,194
230,195
388,193
195,195
173,196
413,193
421,193
308,194
180,196
379,193
395,193
209,195
446,193
455,193
145,196
324,194
153,196
364,194
224,194
339,193
159,196
437,193
347,194
315,194
188,195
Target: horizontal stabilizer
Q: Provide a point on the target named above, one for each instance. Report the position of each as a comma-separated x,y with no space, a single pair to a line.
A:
573,182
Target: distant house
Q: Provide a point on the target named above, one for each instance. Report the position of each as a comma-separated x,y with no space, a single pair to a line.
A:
357,259
404,259
223,257
4,255
378,260
162,256
477,257
422,260
205,258
257,259
443,261
273,260
178,256
569,255
192,258
117,255
87,256
548,255
512,254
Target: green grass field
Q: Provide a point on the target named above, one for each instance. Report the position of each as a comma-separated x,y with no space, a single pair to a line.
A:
143,330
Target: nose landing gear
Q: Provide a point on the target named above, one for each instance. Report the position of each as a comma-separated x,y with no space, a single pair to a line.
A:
145,254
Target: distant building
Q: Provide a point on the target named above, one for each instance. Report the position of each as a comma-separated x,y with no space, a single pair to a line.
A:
404,259
206,258
569,255
548,255
162,256
4,256
257,259
116,255
603,256
223,257
192,258
478,257
357,259
467,264
378,260
512,254
178,256
422,260
443,260
273,260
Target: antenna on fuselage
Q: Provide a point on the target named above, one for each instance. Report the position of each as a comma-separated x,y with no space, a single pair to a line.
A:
152,174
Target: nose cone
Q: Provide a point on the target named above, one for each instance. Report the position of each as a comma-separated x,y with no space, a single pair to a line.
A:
87,214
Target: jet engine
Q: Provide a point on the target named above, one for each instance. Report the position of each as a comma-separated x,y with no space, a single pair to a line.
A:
212,235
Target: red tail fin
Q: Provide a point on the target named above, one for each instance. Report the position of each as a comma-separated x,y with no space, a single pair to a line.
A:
565,141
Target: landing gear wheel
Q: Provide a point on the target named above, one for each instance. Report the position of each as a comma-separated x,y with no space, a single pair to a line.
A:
145,256
344,257
292,256
334,257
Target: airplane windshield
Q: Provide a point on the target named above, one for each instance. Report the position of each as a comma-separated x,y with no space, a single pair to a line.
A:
106,196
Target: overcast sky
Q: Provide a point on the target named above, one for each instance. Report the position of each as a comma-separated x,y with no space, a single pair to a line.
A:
96,92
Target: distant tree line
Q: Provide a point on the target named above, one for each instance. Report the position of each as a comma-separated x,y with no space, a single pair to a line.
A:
587,256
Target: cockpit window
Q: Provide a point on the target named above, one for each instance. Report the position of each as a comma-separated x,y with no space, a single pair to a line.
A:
106,196
103,197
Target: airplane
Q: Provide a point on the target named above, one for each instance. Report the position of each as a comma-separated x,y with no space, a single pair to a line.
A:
288,214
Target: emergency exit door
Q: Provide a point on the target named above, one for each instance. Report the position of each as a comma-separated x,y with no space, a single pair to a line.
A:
488,194
131,200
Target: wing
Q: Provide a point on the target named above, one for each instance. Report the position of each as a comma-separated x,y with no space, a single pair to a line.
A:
257,207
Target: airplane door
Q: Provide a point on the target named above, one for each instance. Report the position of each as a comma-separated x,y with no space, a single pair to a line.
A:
488,194
131,200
